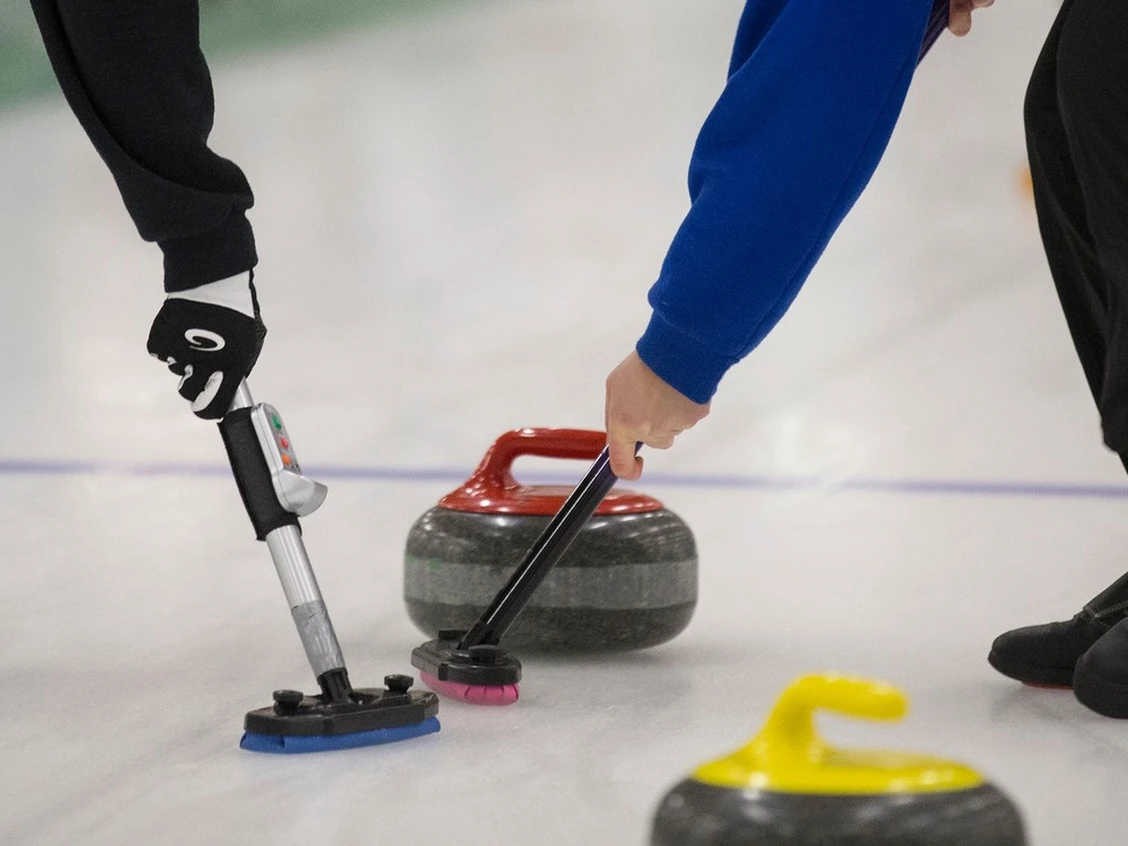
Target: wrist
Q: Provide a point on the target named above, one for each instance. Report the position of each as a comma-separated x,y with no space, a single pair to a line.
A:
233,292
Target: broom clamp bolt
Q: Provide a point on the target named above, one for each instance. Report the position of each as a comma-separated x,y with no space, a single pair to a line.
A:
398,683
287,701
483,653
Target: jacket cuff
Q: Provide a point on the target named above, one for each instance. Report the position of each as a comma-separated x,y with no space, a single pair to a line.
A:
681,361
219,253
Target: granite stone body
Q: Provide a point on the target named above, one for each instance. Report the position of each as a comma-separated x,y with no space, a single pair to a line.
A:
698,814
628,581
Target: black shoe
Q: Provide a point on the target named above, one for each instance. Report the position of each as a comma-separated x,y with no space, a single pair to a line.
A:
1047,654
1101,678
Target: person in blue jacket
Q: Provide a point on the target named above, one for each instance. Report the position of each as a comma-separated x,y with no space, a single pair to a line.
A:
813,93
814,90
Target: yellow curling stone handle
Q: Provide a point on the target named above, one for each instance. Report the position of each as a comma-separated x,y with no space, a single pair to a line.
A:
788,756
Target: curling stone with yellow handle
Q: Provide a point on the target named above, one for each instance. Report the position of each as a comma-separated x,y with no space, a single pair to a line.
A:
788,786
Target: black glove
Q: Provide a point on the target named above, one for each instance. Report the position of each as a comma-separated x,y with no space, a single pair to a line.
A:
211,346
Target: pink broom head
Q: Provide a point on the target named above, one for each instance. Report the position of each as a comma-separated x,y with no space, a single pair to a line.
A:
475,694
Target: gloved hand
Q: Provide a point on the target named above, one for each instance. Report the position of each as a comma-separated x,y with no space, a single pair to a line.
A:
211,337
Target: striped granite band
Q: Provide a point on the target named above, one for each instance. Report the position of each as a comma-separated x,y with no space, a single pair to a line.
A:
620,586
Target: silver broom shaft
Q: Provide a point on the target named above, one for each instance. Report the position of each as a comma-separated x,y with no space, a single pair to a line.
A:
300,584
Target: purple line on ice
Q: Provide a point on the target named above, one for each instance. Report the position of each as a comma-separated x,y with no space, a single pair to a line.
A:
455,475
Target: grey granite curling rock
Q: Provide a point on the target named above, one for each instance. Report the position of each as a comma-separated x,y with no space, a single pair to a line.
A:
788,788
629,580
698,814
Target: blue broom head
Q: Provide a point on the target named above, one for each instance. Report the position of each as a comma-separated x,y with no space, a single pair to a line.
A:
279,744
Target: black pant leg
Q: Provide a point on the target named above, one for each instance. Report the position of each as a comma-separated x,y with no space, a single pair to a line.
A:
1062,219
1077,137
133,73
1093,95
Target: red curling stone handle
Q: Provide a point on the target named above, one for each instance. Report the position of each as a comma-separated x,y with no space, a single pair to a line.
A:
492,489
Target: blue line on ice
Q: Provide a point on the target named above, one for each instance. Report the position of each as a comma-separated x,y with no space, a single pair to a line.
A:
732,481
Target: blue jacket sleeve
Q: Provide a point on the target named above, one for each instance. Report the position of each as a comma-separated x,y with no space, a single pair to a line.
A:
814,90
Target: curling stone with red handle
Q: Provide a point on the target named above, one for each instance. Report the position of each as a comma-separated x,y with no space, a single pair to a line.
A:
629,580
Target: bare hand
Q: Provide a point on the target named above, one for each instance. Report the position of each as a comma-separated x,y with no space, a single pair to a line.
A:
959,17
641,407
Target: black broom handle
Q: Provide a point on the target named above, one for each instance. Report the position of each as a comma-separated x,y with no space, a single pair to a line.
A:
937,23
544,553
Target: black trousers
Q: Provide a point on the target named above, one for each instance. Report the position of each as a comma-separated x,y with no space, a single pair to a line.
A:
1077,138
133,73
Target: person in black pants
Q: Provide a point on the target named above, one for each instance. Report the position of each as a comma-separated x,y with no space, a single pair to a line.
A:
1077,138
133,73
